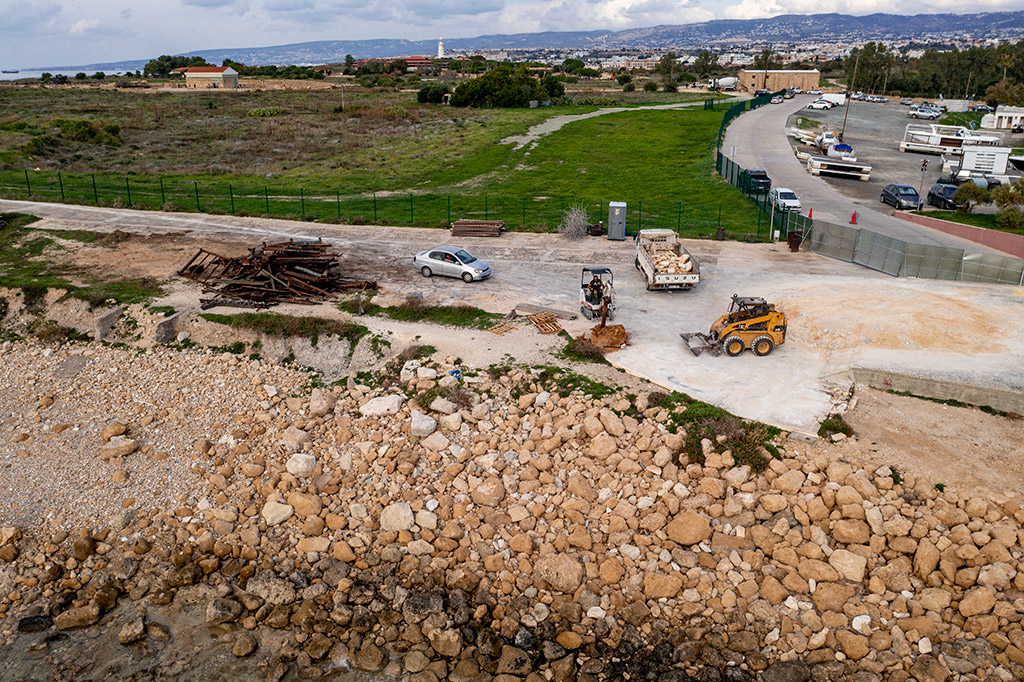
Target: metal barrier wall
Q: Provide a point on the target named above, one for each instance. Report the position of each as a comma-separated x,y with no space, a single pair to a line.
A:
907,259
873,250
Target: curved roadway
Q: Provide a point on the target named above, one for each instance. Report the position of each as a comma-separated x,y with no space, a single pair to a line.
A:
760,141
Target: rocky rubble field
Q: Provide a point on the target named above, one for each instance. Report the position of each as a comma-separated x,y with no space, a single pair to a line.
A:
515,524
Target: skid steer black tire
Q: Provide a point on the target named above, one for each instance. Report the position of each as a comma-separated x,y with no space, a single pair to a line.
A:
762,345
733,346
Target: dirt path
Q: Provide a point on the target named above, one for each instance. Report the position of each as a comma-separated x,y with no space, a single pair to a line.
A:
536,132
960,447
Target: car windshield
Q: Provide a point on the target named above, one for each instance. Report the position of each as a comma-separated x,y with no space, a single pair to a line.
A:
907,191
949,190
787,196
465,256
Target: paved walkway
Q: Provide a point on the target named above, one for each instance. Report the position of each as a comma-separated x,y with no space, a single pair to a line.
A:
757,139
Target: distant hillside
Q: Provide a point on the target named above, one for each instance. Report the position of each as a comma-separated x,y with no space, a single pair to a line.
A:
781,29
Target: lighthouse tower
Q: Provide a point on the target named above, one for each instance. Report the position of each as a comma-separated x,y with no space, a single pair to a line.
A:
440,48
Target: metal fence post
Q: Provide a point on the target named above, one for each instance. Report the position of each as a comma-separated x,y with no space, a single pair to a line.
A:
163,197
487,215
129,188
95,194
231,195
195,185
302,202
266,198
27,183
374,207
337,199
60,181
524,213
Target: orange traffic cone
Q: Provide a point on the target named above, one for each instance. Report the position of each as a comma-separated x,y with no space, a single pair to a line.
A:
810,213
853,220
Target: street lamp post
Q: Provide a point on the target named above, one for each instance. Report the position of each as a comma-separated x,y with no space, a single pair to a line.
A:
920,192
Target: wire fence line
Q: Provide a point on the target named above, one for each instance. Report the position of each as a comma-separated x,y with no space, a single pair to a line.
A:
895,257
541,214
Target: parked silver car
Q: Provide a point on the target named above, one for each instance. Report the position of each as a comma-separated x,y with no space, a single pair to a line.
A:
451,261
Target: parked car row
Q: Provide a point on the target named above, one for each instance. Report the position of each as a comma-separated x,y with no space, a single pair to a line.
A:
925,110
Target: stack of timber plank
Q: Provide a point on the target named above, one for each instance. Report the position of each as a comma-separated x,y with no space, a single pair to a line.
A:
477,228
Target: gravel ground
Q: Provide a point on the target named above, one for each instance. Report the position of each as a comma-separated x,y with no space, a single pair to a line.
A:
51,472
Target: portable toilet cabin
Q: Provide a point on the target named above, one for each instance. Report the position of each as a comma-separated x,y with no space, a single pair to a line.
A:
617,220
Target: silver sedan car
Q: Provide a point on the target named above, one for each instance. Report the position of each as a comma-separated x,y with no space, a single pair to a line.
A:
451,261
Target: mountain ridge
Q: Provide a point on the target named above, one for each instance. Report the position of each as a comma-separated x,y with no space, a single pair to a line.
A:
783,28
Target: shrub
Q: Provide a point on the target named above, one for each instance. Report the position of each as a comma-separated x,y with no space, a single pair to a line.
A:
581,350
624,78
265,112
650,86
432,93
629,87
575,223
669,86
834,423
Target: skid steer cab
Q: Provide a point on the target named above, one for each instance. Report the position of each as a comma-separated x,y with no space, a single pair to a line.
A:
750,323
597,293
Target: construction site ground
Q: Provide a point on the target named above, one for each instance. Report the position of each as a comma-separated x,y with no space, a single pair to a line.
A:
840,315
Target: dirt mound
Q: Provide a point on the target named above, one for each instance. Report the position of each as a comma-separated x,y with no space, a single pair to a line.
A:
611,336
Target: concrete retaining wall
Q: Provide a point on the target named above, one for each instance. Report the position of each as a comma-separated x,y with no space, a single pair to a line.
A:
1006,242
982,396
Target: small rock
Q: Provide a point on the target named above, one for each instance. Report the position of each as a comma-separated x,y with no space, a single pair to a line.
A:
112,429
222,611
245,644
384,405
79,617
562,573
301,465
275,512
118,446
397,517
422,425
132,631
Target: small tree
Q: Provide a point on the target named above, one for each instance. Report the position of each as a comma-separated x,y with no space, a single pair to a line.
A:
80,76
650,86
432,93
624,78
629,87
970,195
575,223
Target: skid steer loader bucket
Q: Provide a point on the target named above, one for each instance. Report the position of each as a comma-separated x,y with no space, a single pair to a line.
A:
700,343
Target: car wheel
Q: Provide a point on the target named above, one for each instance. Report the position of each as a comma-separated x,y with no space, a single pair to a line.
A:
733,346
467,278
762,345
882,199
425,271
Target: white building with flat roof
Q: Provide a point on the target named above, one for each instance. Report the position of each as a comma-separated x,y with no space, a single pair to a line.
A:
1003,117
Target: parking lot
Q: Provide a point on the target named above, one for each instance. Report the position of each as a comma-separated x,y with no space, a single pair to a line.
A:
874,131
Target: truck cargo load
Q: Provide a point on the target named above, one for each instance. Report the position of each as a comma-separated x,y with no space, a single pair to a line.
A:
664,262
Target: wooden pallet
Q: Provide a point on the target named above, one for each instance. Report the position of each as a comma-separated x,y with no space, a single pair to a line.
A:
501,329
545,323
477,228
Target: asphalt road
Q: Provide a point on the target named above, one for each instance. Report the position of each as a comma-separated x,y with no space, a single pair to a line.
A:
760,141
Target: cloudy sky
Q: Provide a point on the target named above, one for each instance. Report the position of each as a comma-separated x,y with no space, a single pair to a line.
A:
72,32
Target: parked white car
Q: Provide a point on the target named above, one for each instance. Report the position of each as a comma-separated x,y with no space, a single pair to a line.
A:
815,91
450,261
820,104
785,200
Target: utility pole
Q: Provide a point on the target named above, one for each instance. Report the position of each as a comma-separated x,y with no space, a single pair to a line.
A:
849,100
968,88
924,167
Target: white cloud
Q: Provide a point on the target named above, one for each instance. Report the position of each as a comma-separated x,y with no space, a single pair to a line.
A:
570,15
82,26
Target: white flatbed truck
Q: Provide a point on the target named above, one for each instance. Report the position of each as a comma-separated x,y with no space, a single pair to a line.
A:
664,261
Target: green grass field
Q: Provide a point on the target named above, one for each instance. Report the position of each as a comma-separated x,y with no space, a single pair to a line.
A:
660,162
